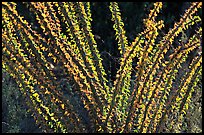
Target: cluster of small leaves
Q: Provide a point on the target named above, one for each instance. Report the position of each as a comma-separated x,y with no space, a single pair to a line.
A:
31,57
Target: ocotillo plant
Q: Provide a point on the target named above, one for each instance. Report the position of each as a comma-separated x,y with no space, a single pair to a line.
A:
61,75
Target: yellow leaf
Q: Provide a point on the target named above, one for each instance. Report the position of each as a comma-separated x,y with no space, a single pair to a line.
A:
52,114
46,118
62,105
43,48
47,92
52,118
66,113
40,112
23,77
50,54
35,95
163,65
